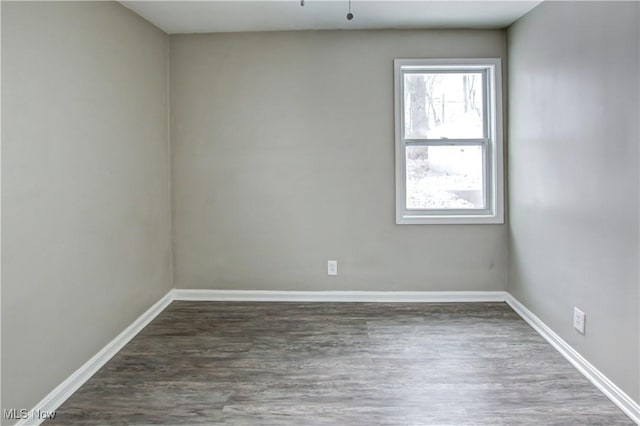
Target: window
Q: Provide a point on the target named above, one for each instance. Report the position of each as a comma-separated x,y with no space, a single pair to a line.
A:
448,141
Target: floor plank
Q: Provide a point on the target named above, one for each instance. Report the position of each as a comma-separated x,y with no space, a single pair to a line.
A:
338,363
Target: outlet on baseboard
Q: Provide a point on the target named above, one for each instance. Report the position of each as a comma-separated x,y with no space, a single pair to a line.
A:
578,320
332,267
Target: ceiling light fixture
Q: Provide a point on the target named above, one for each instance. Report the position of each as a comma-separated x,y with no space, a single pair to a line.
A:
349,15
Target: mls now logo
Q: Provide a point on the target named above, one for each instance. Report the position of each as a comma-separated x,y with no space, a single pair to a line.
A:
23,413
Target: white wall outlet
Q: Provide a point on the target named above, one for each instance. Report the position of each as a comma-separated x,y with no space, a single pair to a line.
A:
332,267
578,320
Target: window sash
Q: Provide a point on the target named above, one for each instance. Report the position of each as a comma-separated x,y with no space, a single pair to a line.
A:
486,179
445,142
486,90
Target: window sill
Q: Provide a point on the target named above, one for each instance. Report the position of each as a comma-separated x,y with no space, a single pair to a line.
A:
410,219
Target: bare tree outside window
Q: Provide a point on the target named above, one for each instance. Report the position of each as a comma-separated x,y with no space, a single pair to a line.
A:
443,106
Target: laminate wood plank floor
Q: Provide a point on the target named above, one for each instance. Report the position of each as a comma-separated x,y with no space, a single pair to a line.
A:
338,364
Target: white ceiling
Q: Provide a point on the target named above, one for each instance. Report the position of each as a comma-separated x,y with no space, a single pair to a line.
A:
176,17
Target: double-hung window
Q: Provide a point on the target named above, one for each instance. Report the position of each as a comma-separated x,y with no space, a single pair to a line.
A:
448,141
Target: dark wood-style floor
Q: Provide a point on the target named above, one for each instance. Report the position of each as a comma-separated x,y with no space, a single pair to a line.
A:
338,364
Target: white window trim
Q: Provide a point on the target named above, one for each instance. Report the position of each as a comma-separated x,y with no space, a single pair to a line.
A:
495,190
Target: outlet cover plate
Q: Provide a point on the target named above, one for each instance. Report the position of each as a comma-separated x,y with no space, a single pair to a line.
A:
332,267
578,320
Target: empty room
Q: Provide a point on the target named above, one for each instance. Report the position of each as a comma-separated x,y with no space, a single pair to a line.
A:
320,212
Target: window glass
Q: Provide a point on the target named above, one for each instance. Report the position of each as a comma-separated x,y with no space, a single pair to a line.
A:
444,177
443,105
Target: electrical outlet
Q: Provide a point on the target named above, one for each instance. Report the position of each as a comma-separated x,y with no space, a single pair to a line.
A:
578,320
332,267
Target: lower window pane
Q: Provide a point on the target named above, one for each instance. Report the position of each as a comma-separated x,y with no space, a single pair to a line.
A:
445,177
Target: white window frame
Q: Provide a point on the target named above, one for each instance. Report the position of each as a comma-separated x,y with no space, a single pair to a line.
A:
492,143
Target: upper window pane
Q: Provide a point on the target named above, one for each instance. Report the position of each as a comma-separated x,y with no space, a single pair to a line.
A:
443,105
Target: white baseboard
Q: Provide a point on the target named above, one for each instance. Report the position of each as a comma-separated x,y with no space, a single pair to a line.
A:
339,296
64,390
606,386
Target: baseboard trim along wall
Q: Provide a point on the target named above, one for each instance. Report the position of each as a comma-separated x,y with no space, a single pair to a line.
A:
606,386
339,296
63,391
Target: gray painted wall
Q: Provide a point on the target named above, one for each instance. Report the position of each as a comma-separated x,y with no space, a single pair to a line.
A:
283,157
573,162
85,196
